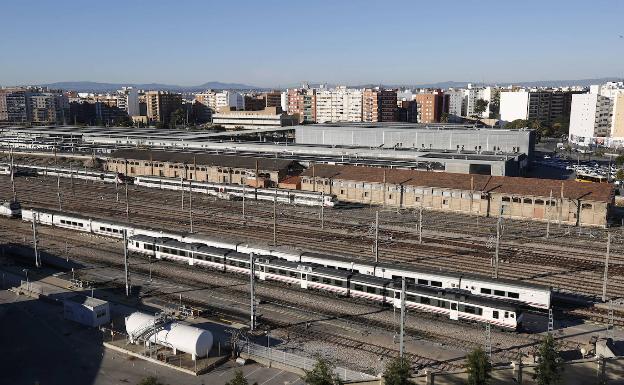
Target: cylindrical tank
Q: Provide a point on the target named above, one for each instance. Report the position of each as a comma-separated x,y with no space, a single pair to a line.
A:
185,338
189,339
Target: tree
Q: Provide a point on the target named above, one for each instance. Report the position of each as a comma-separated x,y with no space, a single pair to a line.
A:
397,372
239,379
322,373
619,160
549,363
480,107
518,123
176,117
479,367
619,175
444,117
151,380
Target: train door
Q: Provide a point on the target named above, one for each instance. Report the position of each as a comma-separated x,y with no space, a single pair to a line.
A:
261,273
454,315
304,281
191,259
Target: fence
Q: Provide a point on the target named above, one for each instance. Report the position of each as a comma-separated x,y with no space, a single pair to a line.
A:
297,361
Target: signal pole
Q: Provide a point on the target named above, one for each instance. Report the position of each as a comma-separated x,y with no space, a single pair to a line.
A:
252,291
606,270
322,211
126,273
182,191
402,331
58,191
420,225
548,220
244,192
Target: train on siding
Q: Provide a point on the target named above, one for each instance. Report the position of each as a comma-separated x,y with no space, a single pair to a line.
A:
10,209
510,291
232,191
455,304
83,174
5,169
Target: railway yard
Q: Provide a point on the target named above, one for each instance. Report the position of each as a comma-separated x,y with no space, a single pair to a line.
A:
356,333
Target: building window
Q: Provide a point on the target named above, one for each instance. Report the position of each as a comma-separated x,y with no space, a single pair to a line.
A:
341,192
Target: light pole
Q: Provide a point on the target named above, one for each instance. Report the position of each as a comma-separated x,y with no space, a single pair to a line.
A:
26,272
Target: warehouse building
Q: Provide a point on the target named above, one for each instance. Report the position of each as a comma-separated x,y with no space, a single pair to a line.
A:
464,139
202,167
568,202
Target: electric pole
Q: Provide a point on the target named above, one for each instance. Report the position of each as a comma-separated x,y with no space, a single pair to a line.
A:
58,191
376,236
127,203
191,204
244,193
548,216
606,270
35,241
182,190
322,211
420,225
402,330
275,219
13,177
498,228
126,272
252,291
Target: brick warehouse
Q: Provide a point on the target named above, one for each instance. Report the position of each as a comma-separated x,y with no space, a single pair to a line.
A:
202,167
572,202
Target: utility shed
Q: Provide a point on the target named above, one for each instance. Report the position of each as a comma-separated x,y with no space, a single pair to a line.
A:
86,310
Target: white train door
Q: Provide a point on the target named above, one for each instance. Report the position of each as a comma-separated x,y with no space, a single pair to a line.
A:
454,315
304,281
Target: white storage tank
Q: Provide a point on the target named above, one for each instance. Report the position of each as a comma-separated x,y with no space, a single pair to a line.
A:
185,338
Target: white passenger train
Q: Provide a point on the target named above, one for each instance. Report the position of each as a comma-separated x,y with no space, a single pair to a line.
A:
528,294
233,191
452,303
5,169
109,177
10,209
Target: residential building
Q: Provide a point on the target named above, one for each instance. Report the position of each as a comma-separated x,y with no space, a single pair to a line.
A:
543,105
302,102
590,119
267,118
407,111
429,107
14,106
456,103
254,102
338,105
379,105
217,100
161,104
47,107
273,99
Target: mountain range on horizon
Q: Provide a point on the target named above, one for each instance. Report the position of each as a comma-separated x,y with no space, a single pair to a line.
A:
89,86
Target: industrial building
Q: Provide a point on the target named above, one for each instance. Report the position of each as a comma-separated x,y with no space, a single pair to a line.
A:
453,137
259,172
103,140
567,202
86,310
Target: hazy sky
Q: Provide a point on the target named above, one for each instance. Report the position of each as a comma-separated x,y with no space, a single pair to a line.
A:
281,43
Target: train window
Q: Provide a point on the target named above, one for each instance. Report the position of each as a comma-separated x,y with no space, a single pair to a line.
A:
412,298
293,274
326,280
495,314
271,270
453,306
436,283
506,199
149,247
499,293
397,294
423,282
425,300
358,287
506,314
511,294
469,309
410,280
136,244
370,290
314,278
486,291
443,304
539,202
512,315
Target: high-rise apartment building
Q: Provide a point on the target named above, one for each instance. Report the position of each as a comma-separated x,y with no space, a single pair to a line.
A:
302,102
14,106
597,118
273,99
217,100
543,105
338,105
456,103
429,107
379,105
160,105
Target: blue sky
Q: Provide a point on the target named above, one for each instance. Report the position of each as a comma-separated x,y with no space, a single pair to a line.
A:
281,43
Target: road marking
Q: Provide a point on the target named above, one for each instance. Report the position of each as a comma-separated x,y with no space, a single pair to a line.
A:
253,371
280,372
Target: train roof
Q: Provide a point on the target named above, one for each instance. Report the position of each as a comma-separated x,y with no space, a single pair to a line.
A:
507,282
414,269
369,279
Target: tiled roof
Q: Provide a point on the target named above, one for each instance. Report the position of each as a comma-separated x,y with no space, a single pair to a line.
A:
204,159
600,192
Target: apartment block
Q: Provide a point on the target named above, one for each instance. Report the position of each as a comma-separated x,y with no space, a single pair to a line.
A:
590,119
338,105
543,105
379,105
428,107
302,102
217,100
160,105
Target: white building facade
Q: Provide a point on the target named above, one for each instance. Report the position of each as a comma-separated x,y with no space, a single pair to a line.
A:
597,118
338,105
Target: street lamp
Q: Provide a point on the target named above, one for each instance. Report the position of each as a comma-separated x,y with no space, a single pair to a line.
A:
26,272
